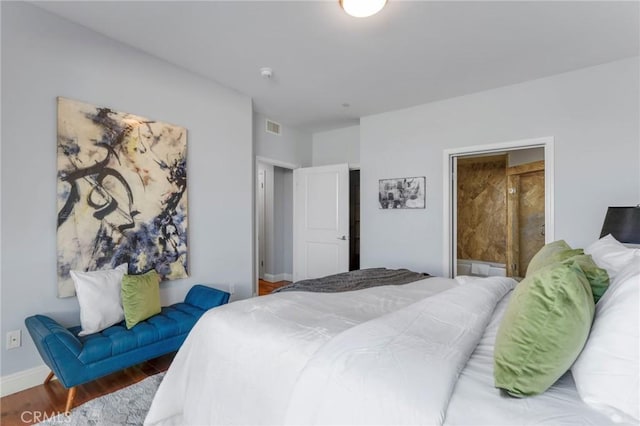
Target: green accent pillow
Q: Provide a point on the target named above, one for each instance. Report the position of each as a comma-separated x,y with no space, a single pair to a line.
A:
140,297
544,328
560,251
551,253
598,278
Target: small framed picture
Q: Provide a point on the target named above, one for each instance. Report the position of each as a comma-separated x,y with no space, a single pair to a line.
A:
402,193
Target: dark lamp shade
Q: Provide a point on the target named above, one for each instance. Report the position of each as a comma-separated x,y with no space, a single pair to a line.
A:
623,223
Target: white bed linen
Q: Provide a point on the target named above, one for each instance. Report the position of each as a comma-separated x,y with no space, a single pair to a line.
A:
240,362
398,369
476,402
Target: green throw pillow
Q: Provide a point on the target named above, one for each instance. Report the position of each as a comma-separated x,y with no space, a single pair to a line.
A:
560,251
140,297
551,253
598,278
544,328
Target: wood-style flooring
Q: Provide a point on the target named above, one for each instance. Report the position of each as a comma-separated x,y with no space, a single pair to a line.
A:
266,287
42,402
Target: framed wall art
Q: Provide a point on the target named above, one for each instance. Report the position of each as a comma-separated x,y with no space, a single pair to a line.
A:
122,193
402,193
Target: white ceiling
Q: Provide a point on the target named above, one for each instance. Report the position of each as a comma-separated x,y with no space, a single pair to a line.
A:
411,53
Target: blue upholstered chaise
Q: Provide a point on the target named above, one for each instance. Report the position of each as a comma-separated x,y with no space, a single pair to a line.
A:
76,360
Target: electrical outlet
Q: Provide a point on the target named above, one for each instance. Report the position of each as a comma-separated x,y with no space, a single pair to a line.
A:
14,339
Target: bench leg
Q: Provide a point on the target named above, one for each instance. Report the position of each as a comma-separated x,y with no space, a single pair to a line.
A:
49,377
70,396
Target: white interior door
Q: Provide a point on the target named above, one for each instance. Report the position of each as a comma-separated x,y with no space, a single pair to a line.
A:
320,221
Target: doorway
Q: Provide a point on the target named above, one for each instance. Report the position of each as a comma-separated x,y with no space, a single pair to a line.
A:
274,223
277,178
500,212
354,220
498,207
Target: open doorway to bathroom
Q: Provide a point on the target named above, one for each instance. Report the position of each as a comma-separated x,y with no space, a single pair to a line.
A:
500,212
499,207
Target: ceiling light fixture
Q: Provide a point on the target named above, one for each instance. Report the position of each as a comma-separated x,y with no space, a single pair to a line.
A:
362,8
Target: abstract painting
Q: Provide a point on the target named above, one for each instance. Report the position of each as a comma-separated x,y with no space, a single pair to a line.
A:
122,193
402,193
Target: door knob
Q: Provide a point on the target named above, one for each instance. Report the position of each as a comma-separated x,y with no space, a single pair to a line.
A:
343,238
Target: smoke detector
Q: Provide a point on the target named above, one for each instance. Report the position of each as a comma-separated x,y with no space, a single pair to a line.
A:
266,72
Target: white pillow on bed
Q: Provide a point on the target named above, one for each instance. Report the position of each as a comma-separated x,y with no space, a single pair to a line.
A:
607,372
612,255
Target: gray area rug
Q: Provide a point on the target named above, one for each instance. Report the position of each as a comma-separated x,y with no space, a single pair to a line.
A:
128,406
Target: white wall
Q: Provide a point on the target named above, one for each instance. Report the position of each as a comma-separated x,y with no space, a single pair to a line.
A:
44,56
292,146
278,221
283,222
525,156
337,146
592,113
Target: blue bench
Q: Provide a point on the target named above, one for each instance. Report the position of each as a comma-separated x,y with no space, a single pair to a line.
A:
75,360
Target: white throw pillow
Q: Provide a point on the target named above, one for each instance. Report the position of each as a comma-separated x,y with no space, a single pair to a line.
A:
99,298
610,254
607,372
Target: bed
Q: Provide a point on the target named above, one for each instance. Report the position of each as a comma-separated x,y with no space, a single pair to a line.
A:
416,353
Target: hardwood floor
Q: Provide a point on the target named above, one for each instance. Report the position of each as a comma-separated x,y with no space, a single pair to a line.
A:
266,287
44,401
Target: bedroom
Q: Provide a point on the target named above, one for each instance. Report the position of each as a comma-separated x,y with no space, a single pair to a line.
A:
589,107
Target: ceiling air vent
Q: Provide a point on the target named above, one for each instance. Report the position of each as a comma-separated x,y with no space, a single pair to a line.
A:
273,127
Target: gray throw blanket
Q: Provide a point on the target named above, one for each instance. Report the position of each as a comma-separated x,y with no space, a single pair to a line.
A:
355,280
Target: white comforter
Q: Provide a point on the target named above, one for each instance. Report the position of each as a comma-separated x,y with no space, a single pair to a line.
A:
241,361
399,368
386,355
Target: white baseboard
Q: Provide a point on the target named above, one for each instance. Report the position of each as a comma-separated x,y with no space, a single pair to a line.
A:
274,278
22,380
